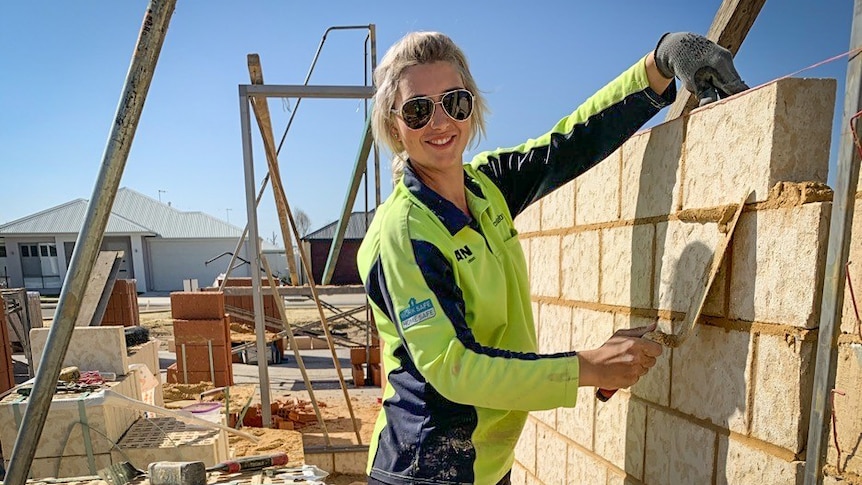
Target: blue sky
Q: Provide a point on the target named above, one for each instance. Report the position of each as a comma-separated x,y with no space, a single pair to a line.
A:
64,64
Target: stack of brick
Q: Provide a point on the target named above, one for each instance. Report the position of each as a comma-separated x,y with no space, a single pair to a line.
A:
202,331
122,309
359,361
625,245
7,375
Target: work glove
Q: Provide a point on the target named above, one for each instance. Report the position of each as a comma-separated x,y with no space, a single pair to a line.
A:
704,67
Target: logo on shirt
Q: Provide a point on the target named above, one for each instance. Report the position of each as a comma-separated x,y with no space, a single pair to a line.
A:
416,312
498,220
464,253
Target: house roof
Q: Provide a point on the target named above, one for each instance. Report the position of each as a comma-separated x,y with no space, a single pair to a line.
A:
356,227
133,213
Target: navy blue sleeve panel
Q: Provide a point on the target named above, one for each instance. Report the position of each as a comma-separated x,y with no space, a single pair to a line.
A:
599,126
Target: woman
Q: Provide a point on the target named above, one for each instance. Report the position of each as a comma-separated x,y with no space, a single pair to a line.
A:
444,270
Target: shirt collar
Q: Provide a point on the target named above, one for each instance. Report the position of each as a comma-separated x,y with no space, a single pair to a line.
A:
446,211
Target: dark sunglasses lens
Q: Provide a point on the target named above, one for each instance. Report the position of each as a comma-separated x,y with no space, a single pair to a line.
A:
416,112
458,104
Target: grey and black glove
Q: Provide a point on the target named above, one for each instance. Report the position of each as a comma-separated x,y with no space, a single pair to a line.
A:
704,67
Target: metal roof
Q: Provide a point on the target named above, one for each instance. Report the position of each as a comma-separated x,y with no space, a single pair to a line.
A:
133,213
356,227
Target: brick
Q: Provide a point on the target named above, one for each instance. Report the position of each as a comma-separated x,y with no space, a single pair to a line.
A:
651,171
581,468
555,329
197,358
684,254
713,366
677,451
782,130
738,463
778,263
620,431
597,195
547,416
199,332
551,452
781,405
197,305
545,266
525,448
358,375
848,408
848,321
558,208
579,265
577,423
626,265
530,219
590,328
519,475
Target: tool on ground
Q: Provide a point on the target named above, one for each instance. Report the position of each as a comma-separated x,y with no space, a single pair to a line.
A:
119,473
194,472
698,299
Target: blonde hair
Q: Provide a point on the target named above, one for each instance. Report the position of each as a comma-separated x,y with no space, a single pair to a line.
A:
413,49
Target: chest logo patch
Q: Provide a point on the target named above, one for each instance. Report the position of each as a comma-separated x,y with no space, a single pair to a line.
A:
416,312
463,253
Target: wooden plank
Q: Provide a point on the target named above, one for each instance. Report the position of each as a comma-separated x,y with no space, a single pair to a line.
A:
261,112
99,288
729,28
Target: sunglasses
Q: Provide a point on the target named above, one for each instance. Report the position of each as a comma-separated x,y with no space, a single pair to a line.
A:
417,112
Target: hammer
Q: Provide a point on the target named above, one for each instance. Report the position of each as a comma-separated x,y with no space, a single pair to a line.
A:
195,472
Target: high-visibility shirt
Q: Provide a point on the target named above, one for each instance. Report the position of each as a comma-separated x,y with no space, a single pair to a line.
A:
451,301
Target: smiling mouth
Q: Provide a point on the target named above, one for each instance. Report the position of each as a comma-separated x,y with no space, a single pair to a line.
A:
441,141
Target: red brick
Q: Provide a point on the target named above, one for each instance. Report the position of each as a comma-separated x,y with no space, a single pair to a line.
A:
201,331
197,358
358,375
172,374
375,374
197,305
7,374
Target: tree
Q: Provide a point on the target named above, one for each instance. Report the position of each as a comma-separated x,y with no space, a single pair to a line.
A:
274,239
303,223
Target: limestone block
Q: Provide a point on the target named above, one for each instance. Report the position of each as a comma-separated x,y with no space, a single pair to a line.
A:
848,409
597,195
710,375
558,208
545,266
555,329
579,265
525,449
738,463
783,376
778,262
530,219
519,475
684,253
677,451
590,328
577,423
622,426
627,265
581,468
526,244
848,322
780,132
552,450
651,171
548,416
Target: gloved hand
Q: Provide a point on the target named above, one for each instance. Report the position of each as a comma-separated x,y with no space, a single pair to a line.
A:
704,67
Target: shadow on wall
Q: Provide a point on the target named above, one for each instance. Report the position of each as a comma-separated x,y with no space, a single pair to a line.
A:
705,377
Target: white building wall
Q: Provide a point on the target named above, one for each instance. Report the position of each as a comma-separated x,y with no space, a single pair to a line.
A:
138,263
174,260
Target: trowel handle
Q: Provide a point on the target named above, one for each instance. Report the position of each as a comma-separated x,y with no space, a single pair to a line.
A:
604,394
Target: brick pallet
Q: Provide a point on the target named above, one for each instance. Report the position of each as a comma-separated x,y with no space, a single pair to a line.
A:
122,306
7,375
201,329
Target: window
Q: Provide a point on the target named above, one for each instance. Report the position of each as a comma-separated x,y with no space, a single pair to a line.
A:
25,251
53,250
44,250
2,251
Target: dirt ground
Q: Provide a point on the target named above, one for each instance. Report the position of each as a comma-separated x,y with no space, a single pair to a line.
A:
336,415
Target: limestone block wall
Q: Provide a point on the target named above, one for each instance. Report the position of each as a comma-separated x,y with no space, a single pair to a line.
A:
847,465
625,244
